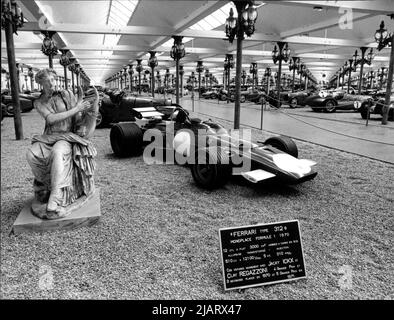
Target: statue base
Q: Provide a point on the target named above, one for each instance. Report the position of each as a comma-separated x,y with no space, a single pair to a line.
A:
86,214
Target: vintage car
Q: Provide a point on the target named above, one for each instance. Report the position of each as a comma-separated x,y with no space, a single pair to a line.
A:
371,106
215,157
116,106
26,103
295,99
210,94
329,102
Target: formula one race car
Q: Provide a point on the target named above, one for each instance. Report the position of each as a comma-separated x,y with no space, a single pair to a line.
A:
211,152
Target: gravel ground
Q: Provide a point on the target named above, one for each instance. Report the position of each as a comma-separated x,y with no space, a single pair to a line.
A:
158,234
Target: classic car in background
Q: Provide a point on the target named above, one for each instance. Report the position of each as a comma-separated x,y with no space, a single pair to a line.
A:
376,107
26,102
331,102
116,106
297,99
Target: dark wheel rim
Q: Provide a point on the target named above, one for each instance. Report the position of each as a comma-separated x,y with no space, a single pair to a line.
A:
10,109
242,99
293,103
204,172
330,106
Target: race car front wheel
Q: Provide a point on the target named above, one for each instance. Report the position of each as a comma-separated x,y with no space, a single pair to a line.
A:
284,144
126,139
210,173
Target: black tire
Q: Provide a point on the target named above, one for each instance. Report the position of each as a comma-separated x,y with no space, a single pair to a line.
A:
330,106
284,144
211,175
242,98
293,103
126,139
9,109
223,97
364,111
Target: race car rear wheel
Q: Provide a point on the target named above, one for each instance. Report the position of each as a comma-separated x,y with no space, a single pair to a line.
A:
126,139
211,173
242,99
284,144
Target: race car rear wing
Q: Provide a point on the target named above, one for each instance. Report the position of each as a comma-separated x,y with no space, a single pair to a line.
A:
146,112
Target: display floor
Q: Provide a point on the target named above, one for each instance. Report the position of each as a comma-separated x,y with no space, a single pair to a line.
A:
157,237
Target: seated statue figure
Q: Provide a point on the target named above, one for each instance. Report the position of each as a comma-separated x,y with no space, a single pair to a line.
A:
62,158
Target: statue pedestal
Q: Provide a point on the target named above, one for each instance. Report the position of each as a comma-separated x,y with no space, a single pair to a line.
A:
86,215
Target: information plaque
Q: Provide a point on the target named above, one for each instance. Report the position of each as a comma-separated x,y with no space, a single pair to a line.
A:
261,254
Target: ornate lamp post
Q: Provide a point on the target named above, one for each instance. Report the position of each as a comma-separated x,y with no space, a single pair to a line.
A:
349,68
267,75
382,72
206,79
280,55
177,53
199,69
158,78
167,78
181,73
293,65
361,61
139,69
247,15
228,65
153,64
243,76
384,39
48,47
31,76
71,67
124,77
65,61
253,71
370,77
77,72
130,71
11,20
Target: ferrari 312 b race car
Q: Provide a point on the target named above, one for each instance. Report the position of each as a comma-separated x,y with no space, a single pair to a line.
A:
166,134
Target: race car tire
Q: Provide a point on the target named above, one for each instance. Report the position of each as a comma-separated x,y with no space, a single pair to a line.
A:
211,175
284,144
126,139
242,99
330,106
293,103
223,97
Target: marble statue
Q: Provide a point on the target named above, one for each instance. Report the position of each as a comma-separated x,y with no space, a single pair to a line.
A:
62,158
